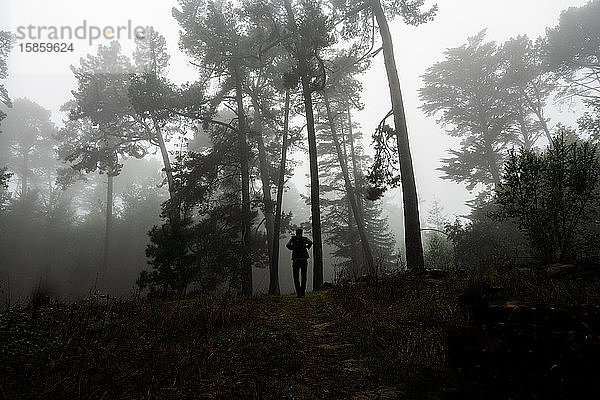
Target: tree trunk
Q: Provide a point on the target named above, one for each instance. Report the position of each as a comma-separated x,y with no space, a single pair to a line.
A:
356,269
165,156
412,224
174,211
527,142
274,273
355,170
491,159
25,176
245,262
539,111
264,176
358,256
315,206
360,225
355,167
542,120
108,228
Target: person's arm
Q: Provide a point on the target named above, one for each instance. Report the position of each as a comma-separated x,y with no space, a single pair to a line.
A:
289,245
308,243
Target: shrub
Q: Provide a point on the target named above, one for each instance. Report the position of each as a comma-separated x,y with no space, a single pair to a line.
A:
170,258
553,195
485,244
438,251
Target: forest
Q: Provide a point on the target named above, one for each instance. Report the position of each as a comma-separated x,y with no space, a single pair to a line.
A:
143,239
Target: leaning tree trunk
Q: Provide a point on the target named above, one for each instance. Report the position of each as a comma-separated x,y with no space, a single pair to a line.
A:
25,176
165,156
274,272
356,173
412,225
245,262
537,109
527,141
264,176
490,156
108,228
357,256
173,213
360,224
315,206
355,166
544,124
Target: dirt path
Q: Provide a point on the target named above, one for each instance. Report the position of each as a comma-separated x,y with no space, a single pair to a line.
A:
327,365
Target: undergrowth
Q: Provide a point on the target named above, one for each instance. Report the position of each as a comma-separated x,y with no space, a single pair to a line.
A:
260,347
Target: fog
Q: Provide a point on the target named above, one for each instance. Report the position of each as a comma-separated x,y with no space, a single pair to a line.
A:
47,79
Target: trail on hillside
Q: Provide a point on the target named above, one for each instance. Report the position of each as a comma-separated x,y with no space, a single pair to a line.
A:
327,365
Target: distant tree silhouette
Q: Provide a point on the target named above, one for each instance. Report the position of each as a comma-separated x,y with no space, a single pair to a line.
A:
475,105
27,145
571,53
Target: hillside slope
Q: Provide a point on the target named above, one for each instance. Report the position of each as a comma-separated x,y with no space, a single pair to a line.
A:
404,337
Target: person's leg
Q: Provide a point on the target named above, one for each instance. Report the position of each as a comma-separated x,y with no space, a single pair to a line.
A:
296,269
304,267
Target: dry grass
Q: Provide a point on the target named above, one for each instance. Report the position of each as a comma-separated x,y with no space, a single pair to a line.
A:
134,349
402,325
393,335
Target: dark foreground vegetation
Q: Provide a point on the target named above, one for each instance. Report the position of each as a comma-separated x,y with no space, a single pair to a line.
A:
521,333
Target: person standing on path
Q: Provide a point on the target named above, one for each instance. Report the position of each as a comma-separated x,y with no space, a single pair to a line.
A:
299,246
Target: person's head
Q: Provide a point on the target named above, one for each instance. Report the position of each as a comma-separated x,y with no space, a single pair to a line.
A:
298,232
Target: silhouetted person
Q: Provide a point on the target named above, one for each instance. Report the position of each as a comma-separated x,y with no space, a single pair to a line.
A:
299,246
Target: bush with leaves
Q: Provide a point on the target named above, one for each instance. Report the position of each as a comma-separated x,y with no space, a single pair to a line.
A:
553,195
438,251
170,257
483,243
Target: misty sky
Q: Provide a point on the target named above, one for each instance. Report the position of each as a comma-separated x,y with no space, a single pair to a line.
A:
47,79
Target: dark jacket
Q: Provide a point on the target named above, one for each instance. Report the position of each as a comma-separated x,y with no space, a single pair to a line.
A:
299,246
